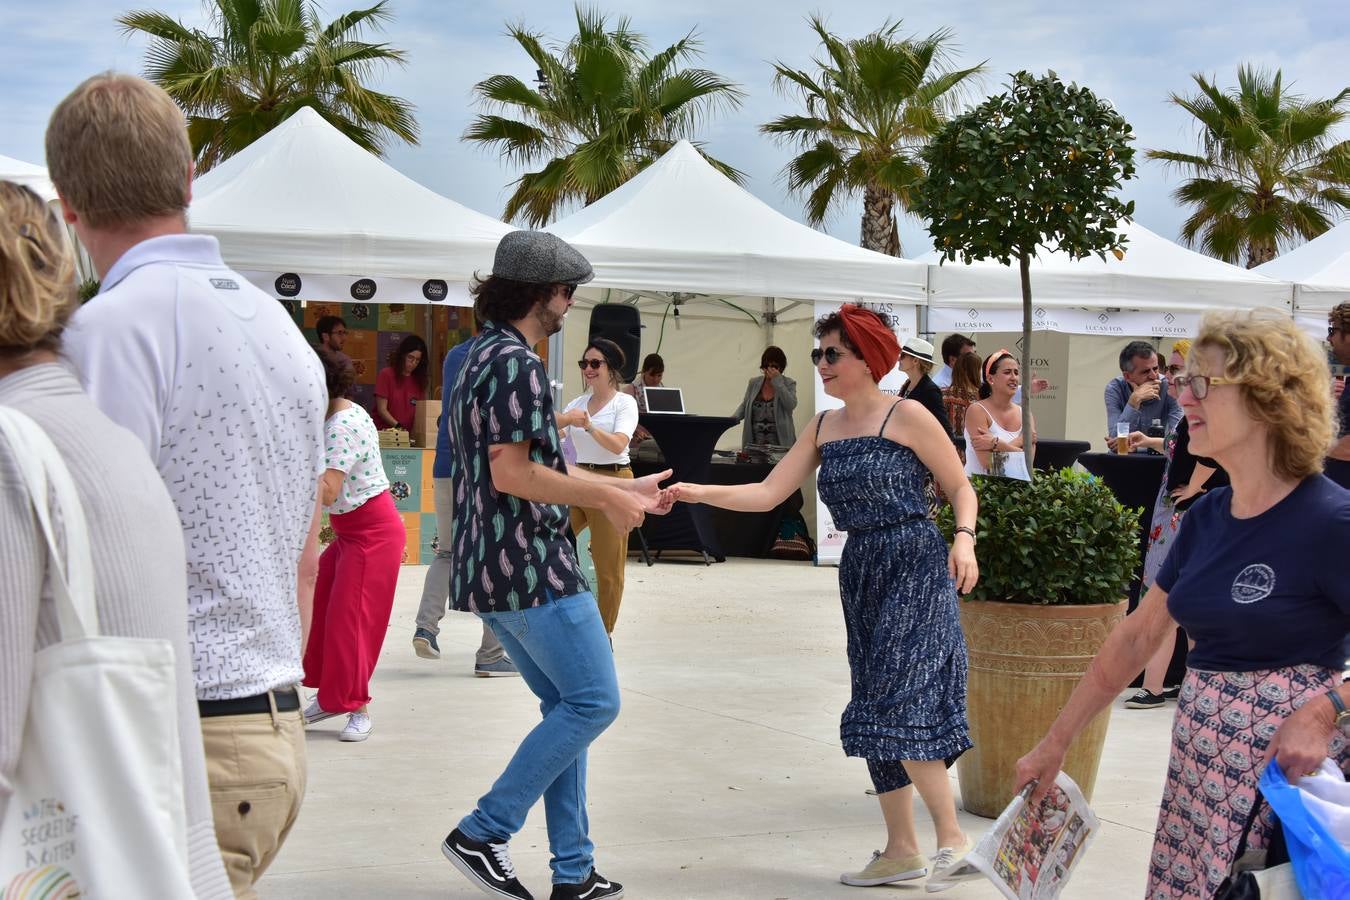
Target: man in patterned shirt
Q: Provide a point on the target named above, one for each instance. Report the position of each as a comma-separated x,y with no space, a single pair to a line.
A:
218,383
515,568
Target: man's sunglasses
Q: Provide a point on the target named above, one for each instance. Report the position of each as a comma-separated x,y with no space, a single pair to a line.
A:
831,355
568,290
583,364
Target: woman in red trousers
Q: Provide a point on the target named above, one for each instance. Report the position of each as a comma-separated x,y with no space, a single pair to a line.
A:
358,572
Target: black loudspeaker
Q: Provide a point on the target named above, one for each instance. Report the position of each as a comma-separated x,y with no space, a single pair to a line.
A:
621,324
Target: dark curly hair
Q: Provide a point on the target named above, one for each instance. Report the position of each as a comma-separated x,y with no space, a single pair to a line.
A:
338,376
505,300
832,322
400,353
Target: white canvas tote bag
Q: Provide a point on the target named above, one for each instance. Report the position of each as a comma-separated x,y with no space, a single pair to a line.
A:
98,801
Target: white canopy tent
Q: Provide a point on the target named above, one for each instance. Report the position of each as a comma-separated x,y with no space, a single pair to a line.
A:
683,227
28,175
304,212
1159,288
35,178
1320,270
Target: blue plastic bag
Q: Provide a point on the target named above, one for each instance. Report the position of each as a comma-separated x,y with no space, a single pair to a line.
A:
1321,865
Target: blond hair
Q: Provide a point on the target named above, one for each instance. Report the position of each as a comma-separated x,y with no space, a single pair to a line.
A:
37,273
1284,381
1182,347
118,152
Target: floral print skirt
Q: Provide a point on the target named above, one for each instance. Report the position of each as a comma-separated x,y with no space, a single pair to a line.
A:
1223,724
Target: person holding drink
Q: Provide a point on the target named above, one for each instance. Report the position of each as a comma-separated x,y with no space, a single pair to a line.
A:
898,582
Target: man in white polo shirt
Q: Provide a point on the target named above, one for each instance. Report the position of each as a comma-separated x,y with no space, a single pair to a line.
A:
228,398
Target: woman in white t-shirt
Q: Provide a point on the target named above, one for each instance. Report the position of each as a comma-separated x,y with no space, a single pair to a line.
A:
358,573
600,424
994,424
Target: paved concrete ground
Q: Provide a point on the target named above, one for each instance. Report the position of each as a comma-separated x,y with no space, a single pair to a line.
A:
723,777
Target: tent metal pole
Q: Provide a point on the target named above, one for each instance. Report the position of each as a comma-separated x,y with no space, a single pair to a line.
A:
770,317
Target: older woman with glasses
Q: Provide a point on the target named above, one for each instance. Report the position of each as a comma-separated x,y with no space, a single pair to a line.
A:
600,424
1249,580
898,582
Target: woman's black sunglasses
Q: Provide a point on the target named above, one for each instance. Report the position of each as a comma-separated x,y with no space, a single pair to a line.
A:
593,363
831,355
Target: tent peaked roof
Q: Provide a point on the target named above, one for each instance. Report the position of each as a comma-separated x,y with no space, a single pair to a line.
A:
28,175
680,225
1155,274
1320,269
305,198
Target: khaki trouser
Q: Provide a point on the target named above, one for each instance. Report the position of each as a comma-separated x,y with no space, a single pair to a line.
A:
256,769
609,552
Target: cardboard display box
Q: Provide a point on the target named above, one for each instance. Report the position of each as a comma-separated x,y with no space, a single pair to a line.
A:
425,419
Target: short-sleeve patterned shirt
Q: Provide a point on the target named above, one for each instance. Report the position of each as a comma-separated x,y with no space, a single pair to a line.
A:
508,553
352,445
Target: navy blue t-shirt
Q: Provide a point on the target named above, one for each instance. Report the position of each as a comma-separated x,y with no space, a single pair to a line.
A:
1266,592
454,362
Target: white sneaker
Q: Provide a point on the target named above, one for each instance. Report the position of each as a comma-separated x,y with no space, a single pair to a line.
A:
316,713
358,727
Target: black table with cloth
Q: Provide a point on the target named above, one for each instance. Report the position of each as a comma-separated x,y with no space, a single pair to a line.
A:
1135,479
687,444
1050,453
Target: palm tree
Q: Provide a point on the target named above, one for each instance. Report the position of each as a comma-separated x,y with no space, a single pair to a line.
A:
871,104
603,111
1269,170
265,60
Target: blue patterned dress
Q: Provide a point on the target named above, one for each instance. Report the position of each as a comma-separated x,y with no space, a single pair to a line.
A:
906,653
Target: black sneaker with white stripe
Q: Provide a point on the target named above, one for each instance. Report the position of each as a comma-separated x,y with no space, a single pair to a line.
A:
487,865
593,888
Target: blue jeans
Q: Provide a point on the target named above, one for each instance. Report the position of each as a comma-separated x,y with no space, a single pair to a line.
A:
562,652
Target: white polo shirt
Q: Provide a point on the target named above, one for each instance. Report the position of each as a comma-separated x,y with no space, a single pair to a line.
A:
229,399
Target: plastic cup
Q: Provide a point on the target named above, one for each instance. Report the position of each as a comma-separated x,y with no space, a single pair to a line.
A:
1122,437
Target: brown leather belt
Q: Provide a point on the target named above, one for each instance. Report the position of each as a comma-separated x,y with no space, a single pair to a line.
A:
604,467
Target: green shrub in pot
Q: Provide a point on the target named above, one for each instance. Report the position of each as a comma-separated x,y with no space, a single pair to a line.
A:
1063,538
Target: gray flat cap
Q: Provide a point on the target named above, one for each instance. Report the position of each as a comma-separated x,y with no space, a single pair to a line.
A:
537,257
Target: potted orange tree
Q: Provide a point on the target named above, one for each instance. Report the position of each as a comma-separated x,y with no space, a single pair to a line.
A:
1034,170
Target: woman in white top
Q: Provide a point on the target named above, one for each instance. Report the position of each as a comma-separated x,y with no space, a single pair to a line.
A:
600,424
354,594
994,424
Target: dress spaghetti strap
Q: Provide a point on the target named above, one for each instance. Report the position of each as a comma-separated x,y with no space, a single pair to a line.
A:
820,420
882,429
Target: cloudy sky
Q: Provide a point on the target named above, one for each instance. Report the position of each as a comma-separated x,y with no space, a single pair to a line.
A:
1135,54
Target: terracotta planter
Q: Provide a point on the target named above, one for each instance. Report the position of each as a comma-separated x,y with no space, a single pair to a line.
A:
1024,663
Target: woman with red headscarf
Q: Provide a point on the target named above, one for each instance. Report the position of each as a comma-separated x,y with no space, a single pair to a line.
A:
897,579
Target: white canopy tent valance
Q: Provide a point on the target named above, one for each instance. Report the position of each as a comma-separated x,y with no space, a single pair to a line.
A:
682,226
1159,288
306,213
1320,270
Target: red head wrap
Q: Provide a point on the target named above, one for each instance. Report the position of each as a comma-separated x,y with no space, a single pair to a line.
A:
877,343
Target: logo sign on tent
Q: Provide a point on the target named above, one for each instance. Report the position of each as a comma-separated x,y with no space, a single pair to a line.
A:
830,540
1123,323
338,288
